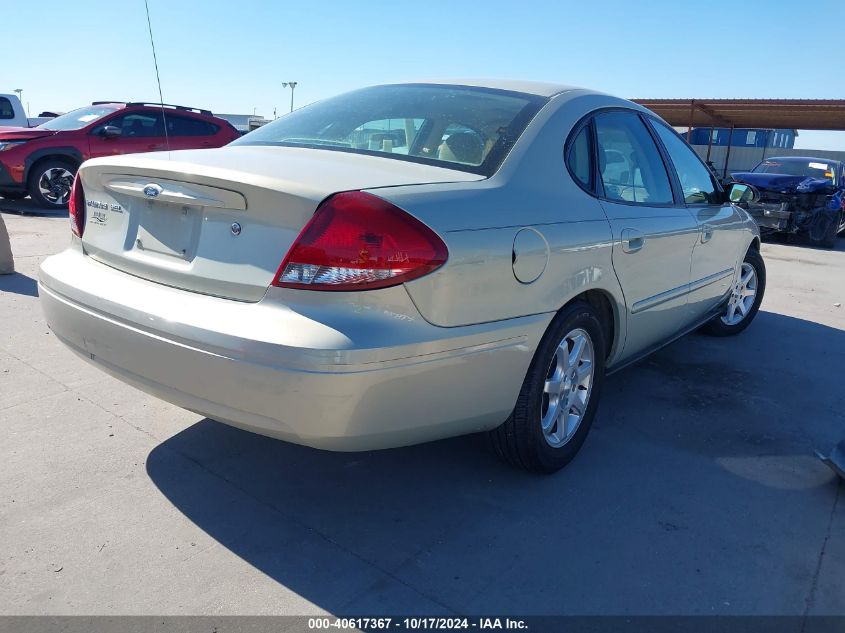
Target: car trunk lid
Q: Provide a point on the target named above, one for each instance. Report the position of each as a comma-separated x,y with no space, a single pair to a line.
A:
220,222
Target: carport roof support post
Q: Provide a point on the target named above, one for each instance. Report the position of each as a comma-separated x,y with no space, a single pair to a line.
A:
691,119
728,155
709,144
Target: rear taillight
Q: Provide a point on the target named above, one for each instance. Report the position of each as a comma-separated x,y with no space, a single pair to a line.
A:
76,207
357,241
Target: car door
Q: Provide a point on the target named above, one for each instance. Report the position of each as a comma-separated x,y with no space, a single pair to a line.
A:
653,233
719,247
140,131
190,133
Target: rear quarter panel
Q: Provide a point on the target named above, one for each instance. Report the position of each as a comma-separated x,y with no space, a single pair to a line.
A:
479,222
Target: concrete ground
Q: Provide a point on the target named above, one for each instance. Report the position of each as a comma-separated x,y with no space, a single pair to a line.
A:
696,493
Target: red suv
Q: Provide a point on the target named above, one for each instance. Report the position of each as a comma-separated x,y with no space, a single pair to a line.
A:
42,161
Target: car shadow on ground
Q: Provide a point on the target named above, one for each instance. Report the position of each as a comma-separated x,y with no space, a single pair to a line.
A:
28,207
19,284
690,448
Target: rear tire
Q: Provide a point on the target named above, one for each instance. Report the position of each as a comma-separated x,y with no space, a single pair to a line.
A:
50,183
545,431
739,311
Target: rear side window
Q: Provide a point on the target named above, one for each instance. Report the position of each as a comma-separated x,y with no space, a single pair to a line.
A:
579,158
696,181
630,164
184,126
6,110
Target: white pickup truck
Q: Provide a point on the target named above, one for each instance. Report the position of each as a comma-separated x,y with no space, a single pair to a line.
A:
12,113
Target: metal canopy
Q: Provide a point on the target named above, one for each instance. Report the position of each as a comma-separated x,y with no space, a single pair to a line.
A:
797,114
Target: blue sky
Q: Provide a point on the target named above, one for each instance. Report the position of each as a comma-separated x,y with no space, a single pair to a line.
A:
231,56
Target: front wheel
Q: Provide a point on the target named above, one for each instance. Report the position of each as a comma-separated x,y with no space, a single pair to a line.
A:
50,183
744,301
559,396
824,230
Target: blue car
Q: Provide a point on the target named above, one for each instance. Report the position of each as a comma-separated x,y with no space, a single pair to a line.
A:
799,195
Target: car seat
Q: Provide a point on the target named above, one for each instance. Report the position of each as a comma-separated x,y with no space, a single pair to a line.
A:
136,128
462,147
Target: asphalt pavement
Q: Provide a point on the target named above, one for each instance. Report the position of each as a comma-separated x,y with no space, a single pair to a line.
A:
697,491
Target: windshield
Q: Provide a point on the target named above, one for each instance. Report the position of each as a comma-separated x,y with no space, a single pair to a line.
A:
77,119
811,168
470,129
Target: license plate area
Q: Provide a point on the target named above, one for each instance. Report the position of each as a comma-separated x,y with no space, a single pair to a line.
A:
167,229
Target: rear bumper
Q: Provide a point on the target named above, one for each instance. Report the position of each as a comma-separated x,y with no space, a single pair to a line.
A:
343,376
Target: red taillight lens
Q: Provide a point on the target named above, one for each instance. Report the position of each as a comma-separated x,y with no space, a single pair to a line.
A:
357,241
76,207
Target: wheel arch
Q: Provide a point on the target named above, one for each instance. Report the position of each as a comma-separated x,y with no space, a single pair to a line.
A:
608,310
70,155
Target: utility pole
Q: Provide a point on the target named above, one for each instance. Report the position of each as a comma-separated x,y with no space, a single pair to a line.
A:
292,86
20,98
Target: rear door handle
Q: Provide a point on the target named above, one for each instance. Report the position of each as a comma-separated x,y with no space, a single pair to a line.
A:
706,233
632,240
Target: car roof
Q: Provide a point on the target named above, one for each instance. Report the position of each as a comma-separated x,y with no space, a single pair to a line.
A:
538,88
149,105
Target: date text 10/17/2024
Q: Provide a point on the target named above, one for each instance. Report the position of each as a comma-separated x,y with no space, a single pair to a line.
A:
417,624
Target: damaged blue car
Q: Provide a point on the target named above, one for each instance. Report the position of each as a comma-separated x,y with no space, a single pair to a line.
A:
798,195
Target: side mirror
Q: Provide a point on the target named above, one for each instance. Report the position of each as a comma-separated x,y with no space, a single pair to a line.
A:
741,193
110,131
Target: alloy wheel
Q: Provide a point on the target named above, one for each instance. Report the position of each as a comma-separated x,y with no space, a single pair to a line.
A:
742,296
54,185
566,391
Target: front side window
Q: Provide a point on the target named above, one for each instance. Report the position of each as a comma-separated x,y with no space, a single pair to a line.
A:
139,125
459,127
696,180
6,110
630,164
77,119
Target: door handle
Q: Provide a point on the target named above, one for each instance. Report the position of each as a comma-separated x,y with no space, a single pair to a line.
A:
632,240
706,233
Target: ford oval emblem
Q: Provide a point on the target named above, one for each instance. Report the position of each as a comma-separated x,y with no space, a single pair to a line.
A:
236,228
152,191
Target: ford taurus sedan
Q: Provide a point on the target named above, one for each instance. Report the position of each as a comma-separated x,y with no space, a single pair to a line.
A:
404,263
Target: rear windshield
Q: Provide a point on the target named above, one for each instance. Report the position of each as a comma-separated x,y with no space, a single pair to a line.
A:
77,119
470,129
811,168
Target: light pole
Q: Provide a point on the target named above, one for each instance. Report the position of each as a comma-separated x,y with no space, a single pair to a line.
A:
20,96
291,85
